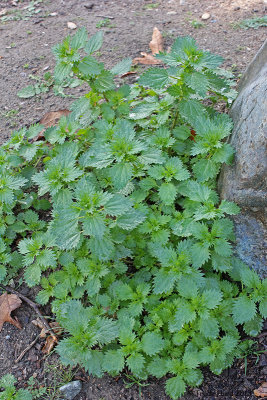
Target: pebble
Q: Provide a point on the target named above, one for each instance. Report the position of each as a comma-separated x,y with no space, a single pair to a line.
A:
53,14
71,25
70,390
205,16
7,337
171,13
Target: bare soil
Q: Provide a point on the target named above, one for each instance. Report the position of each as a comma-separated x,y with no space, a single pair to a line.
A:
25,49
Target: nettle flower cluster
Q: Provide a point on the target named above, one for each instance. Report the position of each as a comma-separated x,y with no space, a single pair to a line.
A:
116,215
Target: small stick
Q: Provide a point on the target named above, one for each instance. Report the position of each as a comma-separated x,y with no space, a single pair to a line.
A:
34,306
27,349
105,16
262,335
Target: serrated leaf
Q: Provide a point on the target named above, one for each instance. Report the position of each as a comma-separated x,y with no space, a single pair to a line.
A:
27,92
211,298
175,387
209,327
113,361
122,67
244,309
228,207
120,174
155,78
152,343
200,253
205,169
136,363
94,43
198,82
167,193
157,367
254,326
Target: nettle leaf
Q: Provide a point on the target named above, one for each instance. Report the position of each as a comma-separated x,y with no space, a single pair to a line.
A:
94,43
113,361
175,387
244,309
155,78
152,343
120,174
205,169
136,363
167,193
198,82
122,67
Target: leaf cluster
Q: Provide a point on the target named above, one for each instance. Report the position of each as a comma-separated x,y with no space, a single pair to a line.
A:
116,215
9,392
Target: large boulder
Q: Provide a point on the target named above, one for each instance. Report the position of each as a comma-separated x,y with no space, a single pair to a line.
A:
245,182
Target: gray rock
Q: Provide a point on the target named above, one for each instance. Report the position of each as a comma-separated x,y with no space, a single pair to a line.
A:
245,182
70,390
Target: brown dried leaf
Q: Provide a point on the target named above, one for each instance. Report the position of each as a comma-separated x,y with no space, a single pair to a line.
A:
156,44
128,73
50,119
49,344
9,303
147,59
261,391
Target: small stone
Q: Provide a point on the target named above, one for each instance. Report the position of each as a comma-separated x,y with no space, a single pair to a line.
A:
70,390
53,14
205,16
71,25
236,8
171,13
7,337
3,12
46,68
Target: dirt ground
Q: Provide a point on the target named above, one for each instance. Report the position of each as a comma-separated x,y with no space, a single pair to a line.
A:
25,49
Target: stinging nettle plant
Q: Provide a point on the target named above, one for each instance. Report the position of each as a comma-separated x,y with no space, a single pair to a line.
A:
116,215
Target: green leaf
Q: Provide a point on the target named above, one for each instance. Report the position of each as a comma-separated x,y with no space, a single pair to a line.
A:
205,169
79,39
136,363
27,92
244,309
113,361
175,387
198,82
152,343
200,253
190,110
120,174
263,307
122,67
254,326
94,43
211,298
90,67
209,327
228,207
155,78
94,225
118,205
167,193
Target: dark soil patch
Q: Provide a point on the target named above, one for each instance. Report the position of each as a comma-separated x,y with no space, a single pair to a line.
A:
25,49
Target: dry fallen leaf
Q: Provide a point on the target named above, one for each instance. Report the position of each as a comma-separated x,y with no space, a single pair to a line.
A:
261,391
50,119
51,340
9,303
156,45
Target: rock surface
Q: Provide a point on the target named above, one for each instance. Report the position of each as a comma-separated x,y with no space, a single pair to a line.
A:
245,182
70,390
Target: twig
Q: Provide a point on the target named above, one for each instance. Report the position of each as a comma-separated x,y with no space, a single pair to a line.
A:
27,349
34,306
262,335
105,16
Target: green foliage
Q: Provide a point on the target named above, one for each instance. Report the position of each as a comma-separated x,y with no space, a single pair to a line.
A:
254,23
116,215
7,384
